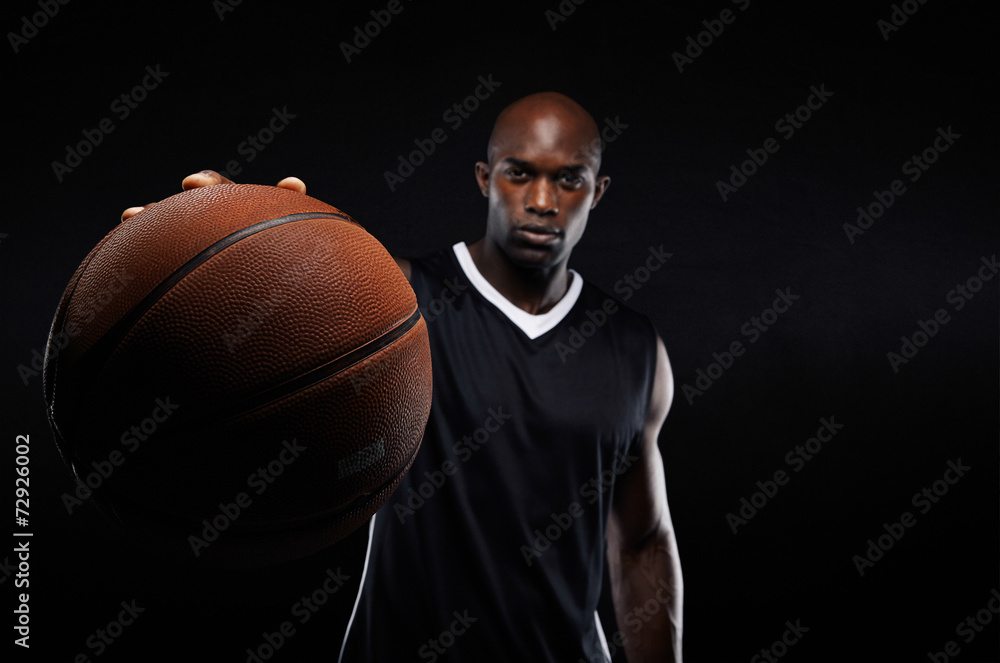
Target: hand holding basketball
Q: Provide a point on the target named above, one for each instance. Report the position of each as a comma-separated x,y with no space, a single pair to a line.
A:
245,367
210,178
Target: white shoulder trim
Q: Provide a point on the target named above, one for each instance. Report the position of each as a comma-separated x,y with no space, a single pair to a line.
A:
532,325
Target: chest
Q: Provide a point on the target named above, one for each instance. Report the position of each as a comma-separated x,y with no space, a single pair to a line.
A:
596,394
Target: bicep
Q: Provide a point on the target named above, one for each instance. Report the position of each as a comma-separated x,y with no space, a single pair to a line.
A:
640,503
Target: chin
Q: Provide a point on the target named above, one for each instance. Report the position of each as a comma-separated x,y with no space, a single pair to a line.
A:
533,257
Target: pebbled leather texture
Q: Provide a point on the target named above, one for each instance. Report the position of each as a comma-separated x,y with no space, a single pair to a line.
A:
258,328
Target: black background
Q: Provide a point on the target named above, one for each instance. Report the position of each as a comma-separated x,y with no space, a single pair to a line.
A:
825,357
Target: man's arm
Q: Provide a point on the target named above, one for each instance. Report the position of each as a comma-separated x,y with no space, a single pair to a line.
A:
642,549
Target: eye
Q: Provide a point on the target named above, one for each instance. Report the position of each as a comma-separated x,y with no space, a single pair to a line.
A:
516,173
570,179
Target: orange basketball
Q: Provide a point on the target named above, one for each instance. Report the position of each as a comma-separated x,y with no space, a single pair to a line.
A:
238,373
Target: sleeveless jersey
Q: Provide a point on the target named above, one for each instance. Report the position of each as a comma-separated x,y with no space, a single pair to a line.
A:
492,548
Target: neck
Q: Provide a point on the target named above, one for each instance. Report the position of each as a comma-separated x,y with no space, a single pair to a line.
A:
534,291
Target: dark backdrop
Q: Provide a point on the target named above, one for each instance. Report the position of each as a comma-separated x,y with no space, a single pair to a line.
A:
678,132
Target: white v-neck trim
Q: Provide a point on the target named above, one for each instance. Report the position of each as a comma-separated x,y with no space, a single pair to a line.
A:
532,325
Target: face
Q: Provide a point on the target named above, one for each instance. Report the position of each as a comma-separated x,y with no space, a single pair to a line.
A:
541,183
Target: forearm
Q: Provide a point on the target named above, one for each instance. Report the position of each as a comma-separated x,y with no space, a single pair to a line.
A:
648,593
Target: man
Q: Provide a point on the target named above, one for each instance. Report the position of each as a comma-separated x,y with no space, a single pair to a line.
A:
539,448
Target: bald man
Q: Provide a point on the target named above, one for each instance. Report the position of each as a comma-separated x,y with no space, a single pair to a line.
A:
540,458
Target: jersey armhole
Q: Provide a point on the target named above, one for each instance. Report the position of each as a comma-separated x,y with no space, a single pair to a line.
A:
651,359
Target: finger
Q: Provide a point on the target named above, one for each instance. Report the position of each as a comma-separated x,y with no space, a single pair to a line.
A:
132,211
293,183
204,178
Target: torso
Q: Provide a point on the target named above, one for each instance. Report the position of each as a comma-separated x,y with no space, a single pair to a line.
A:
502,516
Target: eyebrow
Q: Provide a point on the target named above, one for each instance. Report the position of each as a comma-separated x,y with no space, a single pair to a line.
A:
521,163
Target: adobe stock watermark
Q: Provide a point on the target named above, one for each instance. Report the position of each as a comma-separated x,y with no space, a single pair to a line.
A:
753,329
914,167
122,106
23,611
958,297
608,133
131,438
72,328
103,638
31,25
449,294
247,324
898,17
259,480
786,125
381,18
796,459
439,645
463,449
563,11
924,500
629,284
714,28
637,618
968,629
454,116
625,287
563,521
257,142
373,372
641,615
303,609
263,308
223,7
789,638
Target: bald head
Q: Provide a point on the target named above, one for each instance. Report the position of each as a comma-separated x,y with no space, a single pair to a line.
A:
541,181
550,120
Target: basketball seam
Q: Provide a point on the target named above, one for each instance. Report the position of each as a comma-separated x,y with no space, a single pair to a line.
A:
308,379
104,346
49,381
228,412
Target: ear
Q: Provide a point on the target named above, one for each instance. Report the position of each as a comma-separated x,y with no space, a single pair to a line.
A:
600,186
483,177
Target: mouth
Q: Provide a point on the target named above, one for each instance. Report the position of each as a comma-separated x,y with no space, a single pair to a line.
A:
537,234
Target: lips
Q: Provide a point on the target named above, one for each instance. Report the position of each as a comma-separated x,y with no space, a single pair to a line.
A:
537,234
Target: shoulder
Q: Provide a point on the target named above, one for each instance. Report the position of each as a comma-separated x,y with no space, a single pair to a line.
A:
637,337
596,304
438,262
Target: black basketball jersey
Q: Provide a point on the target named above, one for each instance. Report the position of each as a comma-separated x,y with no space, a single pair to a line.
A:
492,547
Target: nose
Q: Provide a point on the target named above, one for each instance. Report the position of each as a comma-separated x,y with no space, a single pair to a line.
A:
541,198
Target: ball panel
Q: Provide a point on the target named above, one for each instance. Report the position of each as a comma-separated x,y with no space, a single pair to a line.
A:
264,311
143,251
352,431
309,371
272,307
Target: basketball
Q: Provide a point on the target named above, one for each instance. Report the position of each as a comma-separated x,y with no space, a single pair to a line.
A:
238,374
